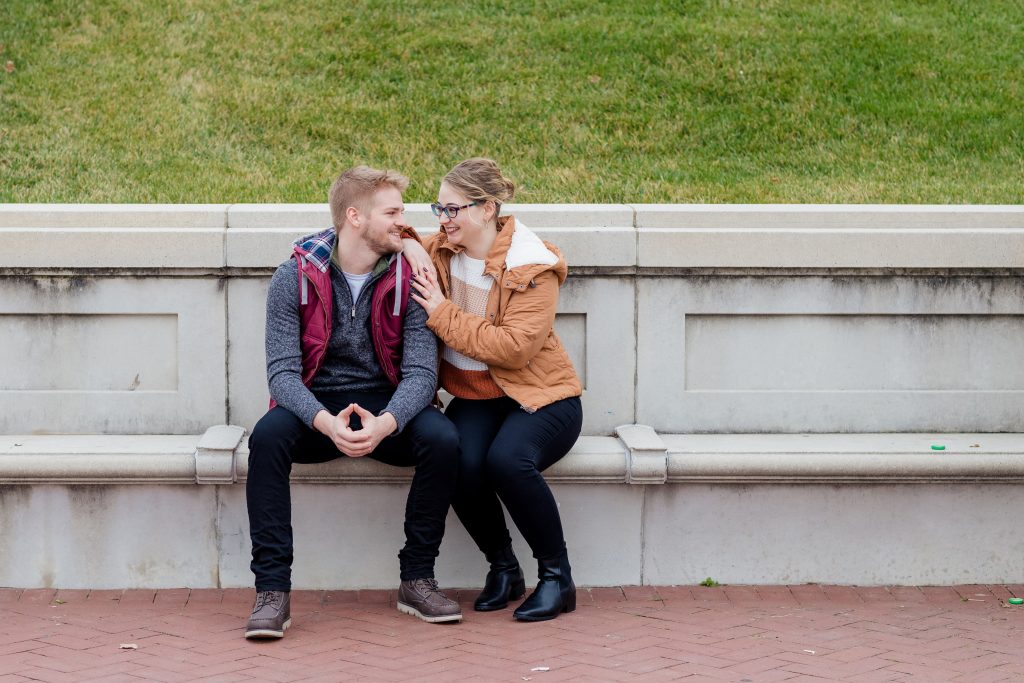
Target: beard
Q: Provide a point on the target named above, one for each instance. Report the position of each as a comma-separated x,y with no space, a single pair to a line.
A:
381,243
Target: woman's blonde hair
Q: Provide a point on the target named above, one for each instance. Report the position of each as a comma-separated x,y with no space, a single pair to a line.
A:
480,180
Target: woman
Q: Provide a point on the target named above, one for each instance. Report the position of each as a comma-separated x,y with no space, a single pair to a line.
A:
516,405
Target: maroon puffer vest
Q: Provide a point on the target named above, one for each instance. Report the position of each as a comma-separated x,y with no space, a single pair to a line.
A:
386,315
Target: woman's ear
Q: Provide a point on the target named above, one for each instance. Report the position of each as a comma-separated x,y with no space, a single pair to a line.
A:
490,210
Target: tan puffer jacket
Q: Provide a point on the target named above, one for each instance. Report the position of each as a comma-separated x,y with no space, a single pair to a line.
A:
516,338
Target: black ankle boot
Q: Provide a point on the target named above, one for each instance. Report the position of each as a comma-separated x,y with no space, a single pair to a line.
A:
555,592
504,582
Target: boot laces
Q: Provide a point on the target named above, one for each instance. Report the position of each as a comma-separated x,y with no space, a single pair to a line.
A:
264,598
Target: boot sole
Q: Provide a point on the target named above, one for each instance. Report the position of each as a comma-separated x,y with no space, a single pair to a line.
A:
409,609
546,617
569,606
515,594
268,632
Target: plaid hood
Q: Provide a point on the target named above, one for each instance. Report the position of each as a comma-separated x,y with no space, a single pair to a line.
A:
317,248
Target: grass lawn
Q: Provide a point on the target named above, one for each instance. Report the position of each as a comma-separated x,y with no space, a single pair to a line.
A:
904,101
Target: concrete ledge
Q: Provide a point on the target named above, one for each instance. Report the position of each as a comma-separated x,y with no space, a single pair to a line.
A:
220,457
815,248
828,216
113,216
112,235
845,458
88,459
638,456
112,248
829,236
593,460
596,235
591,235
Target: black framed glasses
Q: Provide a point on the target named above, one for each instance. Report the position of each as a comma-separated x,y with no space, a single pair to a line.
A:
450,211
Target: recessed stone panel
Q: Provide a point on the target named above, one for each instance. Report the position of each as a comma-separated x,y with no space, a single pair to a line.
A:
854,352
100,537
721,353
54,352
571,328
603,335
248,395
112,355
860,535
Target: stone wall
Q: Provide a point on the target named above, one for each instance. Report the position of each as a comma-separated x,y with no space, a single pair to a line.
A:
149,320
795,364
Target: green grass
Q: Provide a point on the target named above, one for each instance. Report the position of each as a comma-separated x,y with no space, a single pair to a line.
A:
579,101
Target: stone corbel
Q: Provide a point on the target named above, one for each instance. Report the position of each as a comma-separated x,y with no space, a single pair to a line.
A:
648,454
215,454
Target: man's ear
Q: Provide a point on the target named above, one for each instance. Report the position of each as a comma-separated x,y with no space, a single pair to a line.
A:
352,214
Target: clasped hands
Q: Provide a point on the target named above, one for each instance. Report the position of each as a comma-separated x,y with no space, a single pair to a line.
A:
355,443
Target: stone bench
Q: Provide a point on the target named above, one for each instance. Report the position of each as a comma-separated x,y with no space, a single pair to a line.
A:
640,507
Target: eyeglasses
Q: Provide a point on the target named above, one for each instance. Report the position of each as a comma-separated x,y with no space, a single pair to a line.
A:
450,211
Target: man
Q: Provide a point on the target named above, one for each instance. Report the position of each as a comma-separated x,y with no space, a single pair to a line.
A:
352,369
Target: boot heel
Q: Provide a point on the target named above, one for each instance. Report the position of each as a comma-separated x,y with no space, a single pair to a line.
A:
517,590
570,603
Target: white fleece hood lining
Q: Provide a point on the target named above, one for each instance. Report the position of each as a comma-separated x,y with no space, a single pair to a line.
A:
527,249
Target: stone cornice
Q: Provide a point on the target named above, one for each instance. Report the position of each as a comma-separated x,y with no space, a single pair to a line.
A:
642,237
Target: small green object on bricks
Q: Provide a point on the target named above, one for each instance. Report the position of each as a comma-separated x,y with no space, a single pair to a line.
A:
938,447
1016,601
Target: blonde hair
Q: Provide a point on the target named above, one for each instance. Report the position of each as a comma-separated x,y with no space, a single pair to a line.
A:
355,186
480,180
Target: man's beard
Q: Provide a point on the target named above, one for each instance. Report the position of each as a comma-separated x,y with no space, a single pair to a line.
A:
380,244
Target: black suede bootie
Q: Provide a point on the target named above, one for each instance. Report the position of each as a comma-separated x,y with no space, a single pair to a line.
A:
504,582
555,592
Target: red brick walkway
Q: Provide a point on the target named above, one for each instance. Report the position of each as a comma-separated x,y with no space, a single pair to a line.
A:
731,633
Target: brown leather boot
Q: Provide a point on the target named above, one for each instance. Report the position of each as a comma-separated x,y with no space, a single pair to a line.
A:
422,598
271,615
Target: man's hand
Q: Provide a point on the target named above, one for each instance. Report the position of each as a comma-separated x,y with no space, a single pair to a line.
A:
417,257
355,443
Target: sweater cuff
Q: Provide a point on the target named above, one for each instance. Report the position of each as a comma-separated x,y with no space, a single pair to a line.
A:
400,419
309,411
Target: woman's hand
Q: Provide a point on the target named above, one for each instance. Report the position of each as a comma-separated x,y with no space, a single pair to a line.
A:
430,296
417,257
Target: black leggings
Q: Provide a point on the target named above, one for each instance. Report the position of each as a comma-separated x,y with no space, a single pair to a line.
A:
502,452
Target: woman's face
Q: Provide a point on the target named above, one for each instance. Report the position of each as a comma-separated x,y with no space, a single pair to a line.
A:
467,225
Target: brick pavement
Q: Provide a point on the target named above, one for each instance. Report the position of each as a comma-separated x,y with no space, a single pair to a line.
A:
730,633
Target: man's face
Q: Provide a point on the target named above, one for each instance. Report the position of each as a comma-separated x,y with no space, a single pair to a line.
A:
382,228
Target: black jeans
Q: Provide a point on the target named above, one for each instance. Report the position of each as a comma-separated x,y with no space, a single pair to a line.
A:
429,442
502,452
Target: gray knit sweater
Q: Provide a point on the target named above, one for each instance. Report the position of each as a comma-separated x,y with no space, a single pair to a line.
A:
350,363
